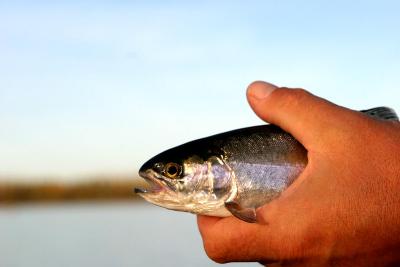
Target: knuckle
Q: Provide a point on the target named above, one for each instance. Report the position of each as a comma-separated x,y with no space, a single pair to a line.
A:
294,97
301,93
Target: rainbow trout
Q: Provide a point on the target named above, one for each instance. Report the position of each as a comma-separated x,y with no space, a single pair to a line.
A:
231,173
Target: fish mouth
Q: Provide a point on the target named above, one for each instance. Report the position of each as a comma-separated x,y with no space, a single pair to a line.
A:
152,179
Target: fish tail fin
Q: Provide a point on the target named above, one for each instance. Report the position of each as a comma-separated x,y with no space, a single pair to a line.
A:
382,113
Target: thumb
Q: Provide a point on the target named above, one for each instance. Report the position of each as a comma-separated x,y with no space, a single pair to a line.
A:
307,117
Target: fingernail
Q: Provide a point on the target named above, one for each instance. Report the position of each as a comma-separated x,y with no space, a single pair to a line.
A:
260,89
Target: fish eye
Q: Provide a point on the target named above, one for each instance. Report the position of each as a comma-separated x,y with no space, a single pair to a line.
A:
172,170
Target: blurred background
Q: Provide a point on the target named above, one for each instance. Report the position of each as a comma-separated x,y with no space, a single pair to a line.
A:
89,90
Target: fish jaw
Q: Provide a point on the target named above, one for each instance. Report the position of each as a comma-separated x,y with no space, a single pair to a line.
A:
159,193
152,178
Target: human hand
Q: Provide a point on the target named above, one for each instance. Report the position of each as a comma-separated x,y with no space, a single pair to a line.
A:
343,210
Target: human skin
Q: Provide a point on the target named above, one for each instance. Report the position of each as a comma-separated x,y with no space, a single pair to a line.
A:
343,210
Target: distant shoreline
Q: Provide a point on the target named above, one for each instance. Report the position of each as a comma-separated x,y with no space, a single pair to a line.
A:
17,192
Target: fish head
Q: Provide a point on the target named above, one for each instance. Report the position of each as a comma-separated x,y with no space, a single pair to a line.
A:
187,180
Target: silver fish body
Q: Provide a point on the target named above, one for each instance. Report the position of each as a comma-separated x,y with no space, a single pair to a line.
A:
231,173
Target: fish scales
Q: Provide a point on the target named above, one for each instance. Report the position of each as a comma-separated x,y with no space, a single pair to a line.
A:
265,161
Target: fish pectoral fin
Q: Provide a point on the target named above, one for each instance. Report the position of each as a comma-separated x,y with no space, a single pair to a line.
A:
242,213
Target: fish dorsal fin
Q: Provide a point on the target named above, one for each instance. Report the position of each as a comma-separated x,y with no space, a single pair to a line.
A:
245,214
382,113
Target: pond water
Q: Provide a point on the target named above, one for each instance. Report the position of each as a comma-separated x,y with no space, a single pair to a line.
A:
99,234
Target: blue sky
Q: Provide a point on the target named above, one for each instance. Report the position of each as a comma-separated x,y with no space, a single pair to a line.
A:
96,87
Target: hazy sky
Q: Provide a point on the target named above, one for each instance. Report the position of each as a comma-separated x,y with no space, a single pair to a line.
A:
96,87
